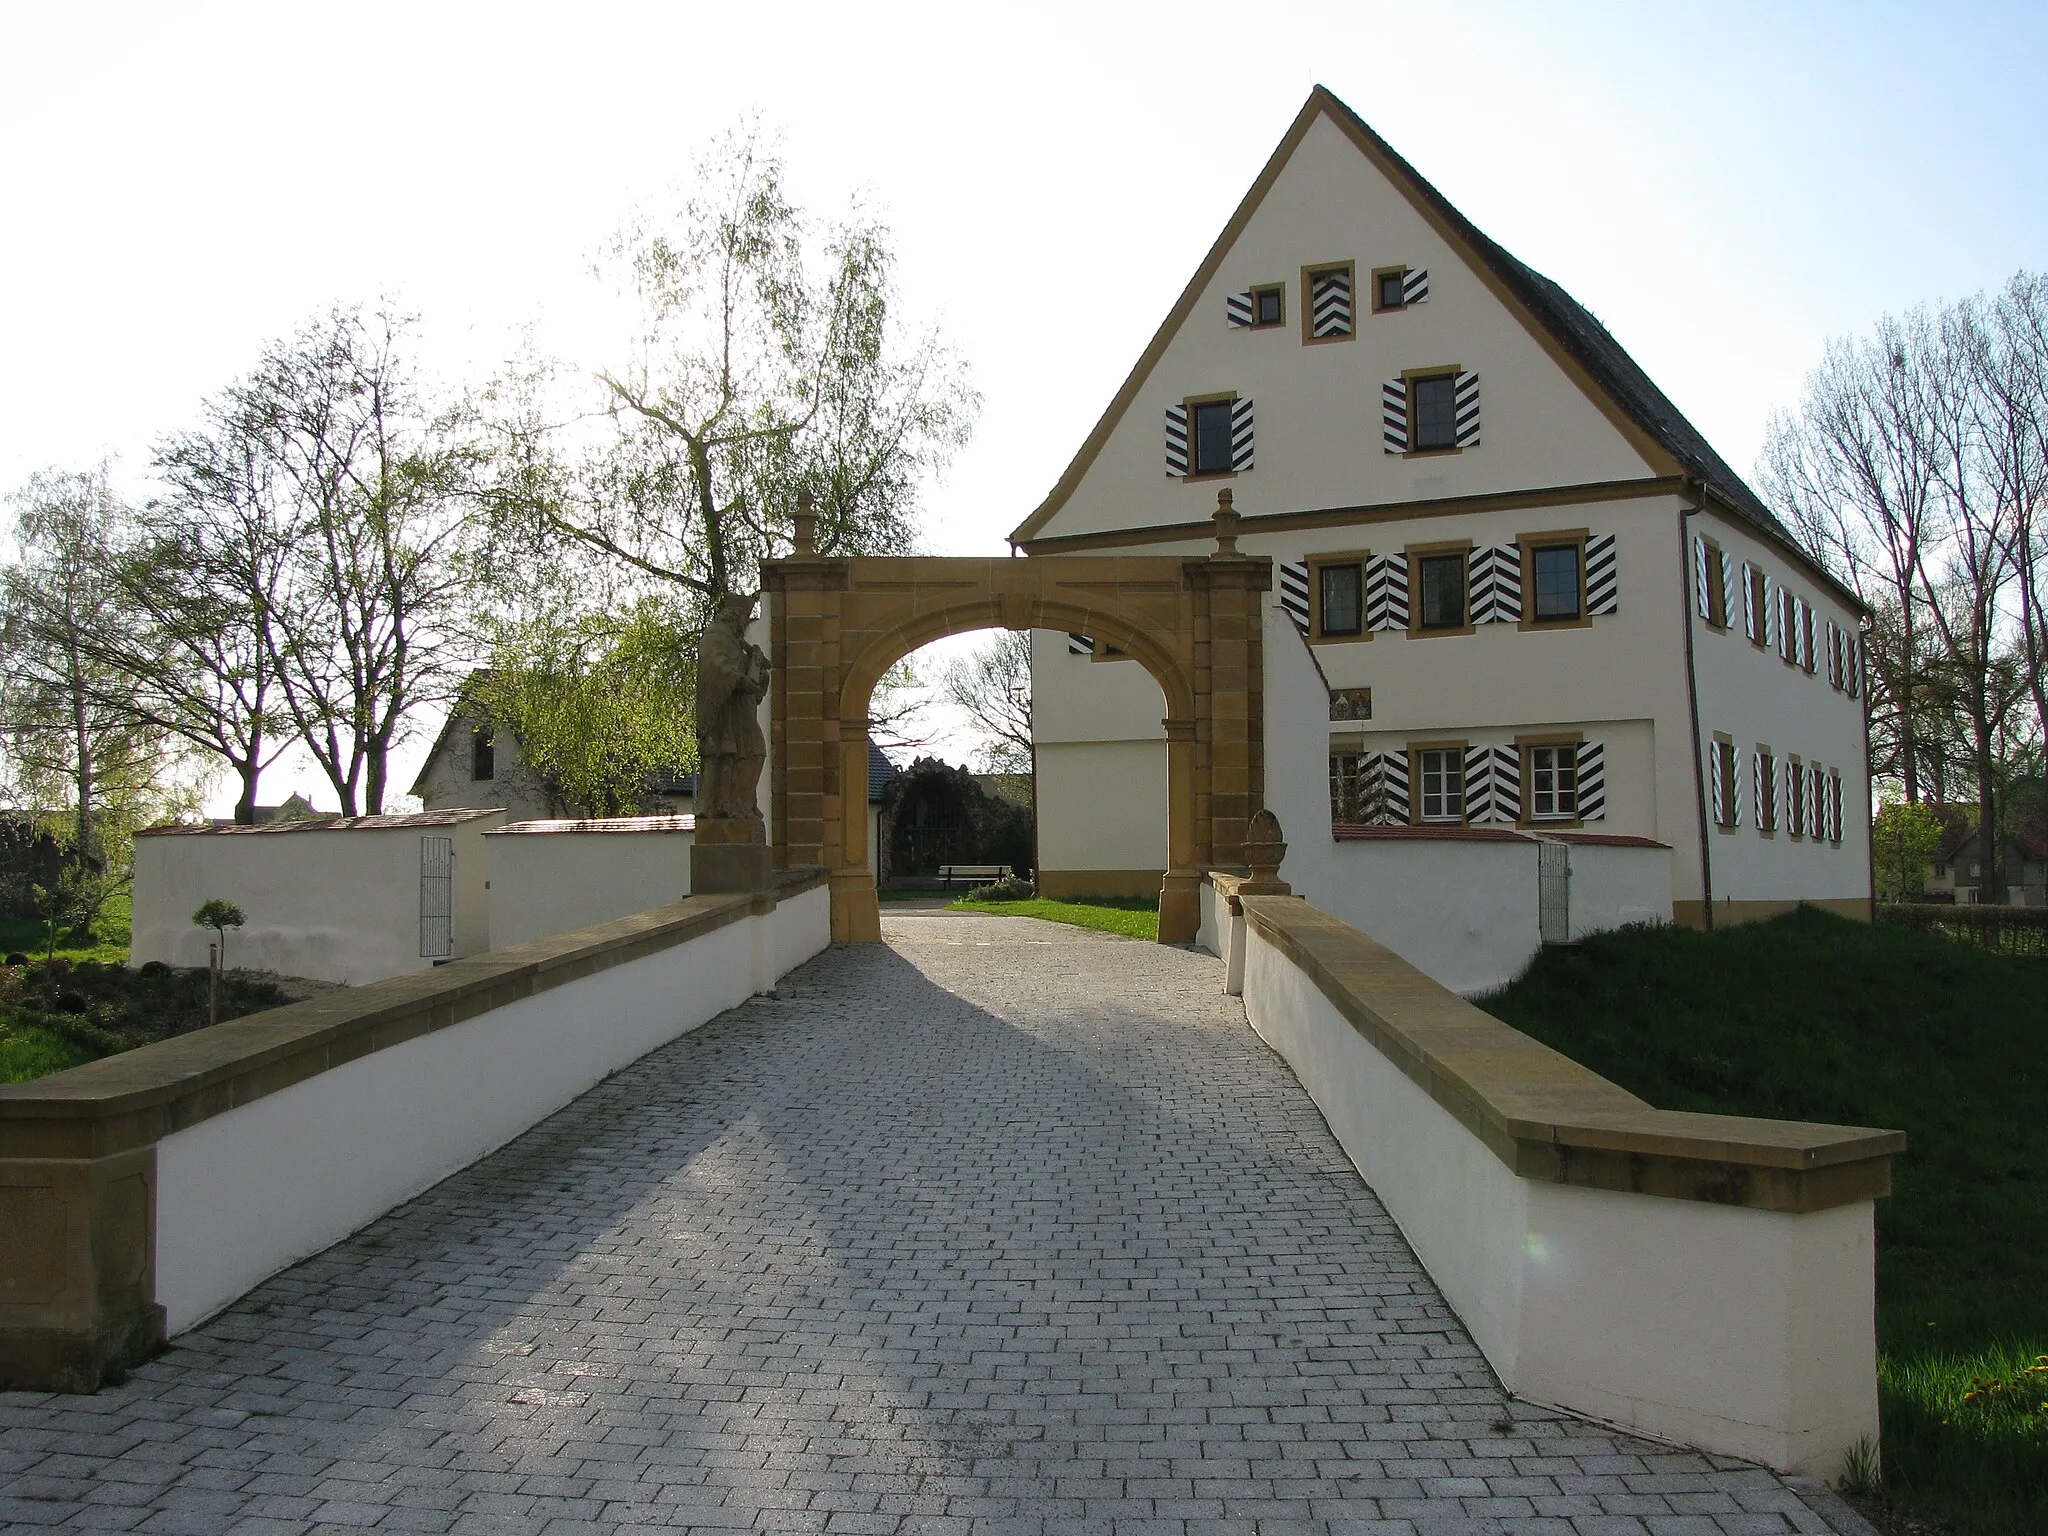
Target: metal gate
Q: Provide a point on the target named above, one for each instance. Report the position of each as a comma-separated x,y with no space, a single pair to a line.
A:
1554,892
437,897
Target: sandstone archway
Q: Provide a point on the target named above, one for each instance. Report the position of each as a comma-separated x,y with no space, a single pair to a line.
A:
837,624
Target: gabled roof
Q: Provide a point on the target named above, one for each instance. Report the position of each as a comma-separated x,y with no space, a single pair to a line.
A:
1565,329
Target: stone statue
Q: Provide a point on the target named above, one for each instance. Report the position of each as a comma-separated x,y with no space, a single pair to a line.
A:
732,679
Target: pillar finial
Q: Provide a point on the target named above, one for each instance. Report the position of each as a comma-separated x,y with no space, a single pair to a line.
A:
806,526
1227,519
1263,851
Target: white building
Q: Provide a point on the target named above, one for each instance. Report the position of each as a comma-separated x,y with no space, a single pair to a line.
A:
1521,601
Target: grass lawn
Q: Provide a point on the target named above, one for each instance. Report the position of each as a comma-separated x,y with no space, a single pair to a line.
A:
1130,916
1812,1017
27,936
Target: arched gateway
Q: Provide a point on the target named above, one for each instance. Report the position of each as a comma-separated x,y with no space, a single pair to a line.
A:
837,624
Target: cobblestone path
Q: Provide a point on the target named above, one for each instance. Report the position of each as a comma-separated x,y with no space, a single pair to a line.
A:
1002,1227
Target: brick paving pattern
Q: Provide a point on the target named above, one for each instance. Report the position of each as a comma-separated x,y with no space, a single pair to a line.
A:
1000,1228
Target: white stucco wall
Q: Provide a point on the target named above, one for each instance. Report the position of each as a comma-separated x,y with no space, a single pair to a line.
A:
332,904
1316,407
554,877
1745,1332
1466,913
1747,693
1101,760
248,1192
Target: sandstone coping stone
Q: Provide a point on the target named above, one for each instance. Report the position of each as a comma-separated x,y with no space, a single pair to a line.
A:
1543,1114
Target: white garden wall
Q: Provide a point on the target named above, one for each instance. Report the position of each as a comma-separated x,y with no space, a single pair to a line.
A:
1745,1331
247,1192
548,877
337,899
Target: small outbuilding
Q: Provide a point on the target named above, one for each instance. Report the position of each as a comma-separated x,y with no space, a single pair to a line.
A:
336,898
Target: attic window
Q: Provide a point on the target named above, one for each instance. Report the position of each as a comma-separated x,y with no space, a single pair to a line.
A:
1387,288
1269,306
1434,411
483,753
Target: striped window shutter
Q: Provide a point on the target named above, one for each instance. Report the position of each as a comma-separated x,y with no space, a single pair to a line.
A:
1414,287
1756,788
1465,398
1177,440
1790,799
1748,602
1813,799
1478,784
1294,592
1786,627
1593,781
1717,785
1735,788
1834,805
1855,659
1699,575
1386,592
1241,434
1393,768
1394,416
1806,650
1602,592
1080,645
1494,576
1329,304
1727,585
1237,308
1507,783
1763,619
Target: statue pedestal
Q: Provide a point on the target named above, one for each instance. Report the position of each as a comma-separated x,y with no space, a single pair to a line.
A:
730,856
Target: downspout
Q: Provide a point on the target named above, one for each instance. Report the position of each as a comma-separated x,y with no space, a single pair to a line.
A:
1692,699
1869,770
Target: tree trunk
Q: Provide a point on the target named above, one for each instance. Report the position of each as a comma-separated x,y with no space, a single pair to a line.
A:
1992,886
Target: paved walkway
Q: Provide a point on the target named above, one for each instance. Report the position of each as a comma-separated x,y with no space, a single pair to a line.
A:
1004,1227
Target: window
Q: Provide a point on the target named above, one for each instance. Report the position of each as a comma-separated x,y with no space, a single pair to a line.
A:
1327,299
1443,784
1269,306
1759,608
1442,579
1553,783
1795,798
1387,288
1940,870
1433,408
1725,768
483,753
1341,599
1212,437
1556,571
1766,791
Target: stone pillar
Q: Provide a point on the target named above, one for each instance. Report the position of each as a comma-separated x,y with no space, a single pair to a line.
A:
804,692
1180,892
1229,593
77,1256
856,906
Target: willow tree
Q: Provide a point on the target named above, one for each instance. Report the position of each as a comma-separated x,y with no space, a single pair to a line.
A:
768,359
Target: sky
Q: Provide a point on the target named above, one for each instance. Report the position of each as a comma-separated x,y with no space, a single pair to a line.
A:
1725,185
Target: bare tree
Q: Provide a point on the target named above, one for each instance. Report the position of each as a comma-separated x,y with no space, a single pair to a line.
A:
991,685
767,364
1854,471
1915,469
368,489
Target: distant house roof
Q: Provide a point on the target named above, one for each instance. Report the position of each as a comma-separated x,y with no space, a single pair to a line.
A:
1958,832
880,772
448,818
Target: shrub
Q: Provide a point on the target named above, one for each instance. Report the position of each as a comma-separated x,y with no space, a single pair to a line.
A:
1009,888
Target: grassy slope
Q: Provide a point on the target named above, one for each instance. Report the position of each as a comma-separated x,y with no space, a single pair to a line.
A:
28,936
1125,915
1812,1017
27,1052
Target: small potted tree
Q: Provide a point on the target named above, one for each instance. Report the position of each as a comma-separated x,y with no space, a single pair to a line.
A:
220,916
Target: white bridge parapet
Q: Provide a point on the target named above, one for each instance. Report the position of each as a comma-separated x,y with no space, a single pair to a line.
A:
1703,1279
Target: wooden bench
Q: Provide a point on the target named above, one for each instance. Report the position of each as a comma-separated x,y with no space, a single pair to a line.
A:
973,874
